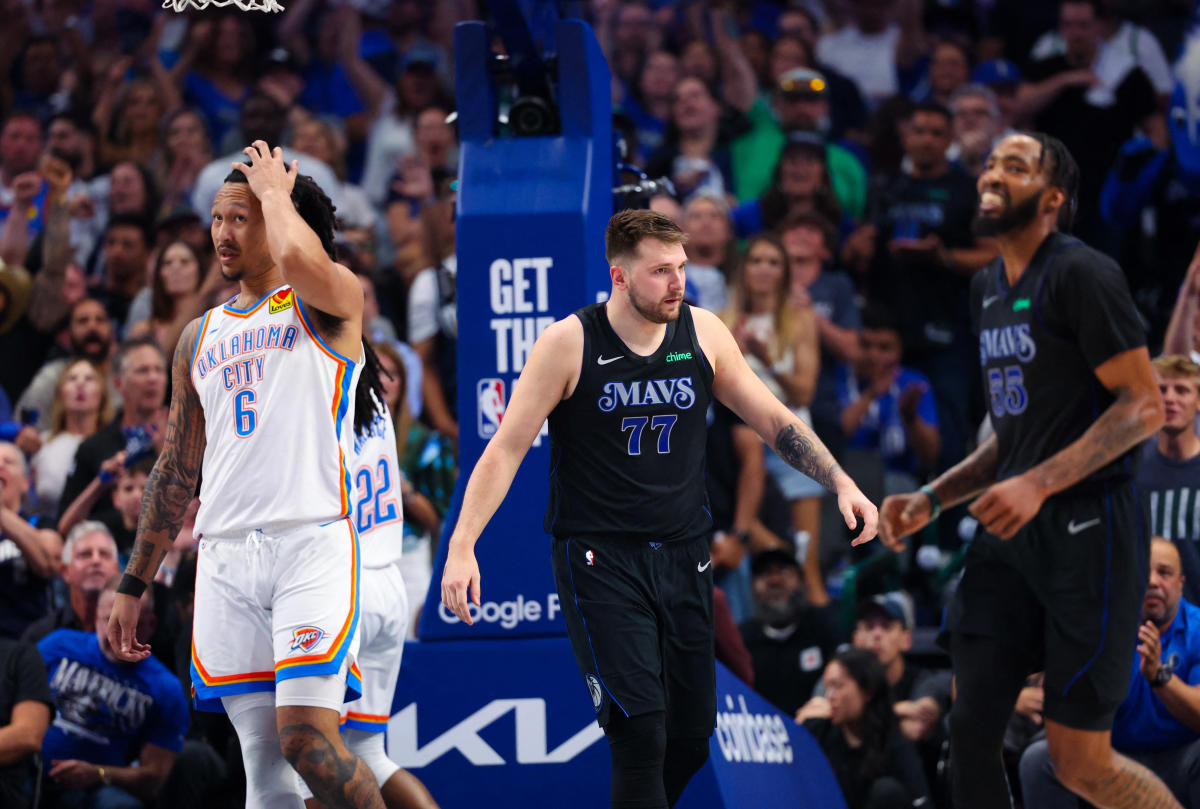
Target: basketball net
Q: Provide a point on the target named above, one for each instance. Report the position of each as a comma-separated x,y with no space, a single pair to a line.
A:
245,5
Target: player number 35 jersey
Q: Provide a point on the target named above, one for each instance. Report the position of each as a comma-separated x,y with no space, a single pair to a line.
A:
278,408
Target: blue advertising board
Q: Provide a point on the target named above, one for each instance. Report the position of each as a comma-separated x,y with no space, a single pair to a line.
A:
511,721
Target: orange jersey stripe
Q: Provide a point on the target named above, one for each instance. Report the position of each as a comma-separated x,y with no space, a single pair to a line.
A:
200,338
228,679
249,312
319,344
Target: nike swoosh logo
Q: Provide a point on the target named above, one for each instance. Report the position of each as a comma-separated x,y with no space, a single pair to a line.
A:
990,300
1073,529
700,568
603,361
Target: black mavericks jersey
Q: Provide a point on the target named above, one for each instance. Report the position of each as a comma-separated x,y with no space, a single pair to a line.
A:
1039,341
627,449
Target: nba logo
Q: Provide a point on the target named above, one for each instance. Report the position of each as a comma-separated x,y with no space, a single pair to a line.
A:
490,395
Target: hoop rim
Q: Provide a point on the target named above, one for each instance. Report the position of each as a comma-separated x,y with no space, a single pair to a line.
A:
180,6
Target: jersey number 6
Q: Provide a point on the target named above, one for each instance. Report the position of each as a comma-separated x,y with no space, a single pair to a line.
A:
245,418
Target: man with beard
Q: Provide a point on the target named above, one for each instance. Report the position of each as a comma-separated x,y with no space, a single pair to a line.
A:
1158,724
90,336
626,385
789,640
89,559
140,374
1053,579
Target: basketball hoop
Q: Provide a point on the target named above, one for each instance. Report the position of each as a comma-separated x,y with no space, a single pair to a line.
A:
245,5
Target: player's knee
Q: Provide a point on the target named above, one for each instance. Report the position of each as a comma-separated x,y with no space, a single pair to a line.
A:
269,781
637,741
318,759
687,755
964,736
369,747
1078,769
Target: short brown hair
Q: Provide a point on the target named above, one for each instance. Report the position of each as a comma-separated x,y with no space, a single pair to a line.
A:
816,221
1177,365
628,229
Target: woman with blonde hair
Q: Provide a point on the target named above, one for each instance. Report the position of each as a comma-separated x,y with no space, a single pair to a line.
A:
779,341
81,407
128,116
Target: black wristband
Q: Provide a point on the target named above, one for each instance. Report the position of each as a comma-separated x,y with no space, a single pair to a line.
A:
131,586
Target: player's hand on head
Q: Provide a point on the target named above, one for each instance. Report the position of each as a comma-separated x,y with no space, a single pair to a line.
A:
267,170
460,583
122,629
1005,508
901,515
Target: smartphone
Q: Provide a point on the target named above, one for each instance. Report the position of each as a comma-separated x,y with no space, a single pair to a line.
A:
29,416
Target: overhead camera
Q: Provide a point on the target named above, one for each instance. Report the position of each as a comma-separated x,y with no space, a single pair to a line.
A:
532,115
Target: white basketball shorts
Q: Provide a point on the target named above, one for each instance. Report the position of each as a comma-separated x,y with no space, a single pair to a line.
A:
383,618
271,607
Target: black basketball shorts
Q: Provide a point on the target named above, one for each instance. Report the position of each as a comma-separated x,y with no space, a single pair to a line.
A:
640,619
1065,593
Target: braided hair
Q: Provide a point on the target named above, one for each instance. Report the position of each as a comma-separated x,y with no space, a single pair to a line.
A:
1062,172
367,406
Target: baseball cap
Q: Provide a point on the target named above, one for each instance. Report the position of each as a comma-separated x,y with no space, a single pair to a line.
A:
996,71
772,558
801,142
281,59
803,81
895,606
420,56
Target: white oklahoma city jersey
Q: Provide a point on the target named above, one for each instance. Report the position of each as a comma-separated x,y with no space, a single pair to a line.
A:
278,405
375,475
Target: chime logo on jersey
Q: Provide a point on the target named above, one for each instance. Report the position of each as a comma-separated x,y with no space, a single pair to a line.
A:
1002,342
644,393
306,638
490,395
281,300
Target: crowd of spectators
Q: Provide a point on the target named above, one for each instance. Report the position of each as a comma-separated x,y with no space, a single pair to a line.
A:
824,156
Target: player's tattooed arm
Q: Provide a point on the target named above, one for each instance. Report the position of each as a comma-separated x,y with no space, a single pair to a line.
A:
801,448
172,483
1132,418
969,476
